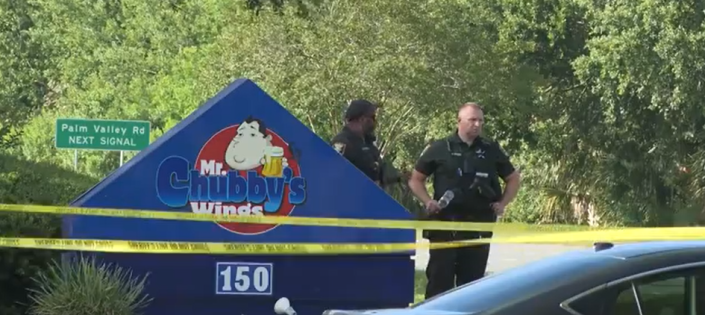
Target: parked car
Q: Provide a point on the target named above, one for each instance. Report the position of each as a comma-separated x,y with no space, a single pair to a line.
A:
661,278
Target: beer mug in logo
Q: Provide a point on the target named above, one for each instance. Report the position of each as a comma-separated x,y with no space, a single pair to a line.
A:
273,162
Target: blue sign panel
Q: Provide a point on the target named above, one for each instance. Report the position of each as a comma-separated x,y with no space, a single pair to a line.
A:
243,154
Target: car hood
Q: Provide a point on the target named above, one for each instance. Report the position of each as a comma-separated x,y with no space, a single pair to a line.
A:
393,311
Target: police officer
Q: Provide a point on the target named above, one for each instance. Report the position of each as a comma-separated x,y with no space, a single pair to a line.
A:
468,165
356,142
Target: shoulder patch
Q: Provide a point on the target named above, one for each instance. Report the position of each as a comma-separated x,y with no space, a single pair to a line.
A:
339,147
487,141
502,150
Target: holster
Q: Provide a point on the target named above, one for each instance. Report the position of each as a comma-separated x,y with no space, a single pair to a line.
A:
480,214
389,175
485,190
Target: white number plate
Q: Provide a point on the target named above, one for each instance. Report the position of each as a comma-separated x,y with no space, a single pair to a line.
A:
244,278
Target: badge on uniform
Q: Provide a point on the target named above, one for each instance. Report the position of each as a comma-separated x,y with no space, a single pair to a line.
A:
480,153
339,147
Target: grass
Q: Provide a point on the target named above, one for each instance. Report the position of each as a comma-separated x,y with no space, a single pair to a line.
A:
419,285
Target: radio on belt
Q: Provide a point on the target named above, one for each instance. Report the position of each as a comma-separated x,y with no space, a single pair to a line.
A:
242,153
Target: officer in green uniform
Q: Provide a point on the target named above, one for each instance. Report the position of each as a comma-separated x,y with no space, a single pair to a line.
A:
470,166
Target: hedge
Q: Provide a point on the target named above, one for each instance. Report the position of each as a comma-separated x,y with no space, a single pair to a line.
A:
27,182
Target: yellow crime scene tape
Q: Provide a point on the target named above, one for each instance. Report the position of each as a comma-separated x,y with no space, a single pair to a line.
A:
165,247
168,247
283,220
620,235
503,233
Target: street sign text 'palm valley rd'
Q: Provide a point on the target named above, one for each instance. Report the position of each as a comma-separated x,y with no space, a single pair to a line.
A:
103,135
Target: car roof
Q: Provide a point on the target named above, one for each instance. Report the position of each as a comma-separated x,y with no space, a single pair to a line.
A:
569,273
632,250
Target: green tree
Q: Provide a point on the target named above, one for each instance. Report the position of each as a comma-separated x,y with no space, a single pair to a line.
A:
22,63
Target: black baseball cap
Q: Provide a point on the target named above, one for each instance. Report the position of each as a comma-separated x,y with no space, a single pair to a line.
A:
359,108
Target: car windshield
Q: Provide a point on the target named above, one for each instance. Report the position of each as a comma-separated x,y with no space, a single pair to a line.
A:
512,284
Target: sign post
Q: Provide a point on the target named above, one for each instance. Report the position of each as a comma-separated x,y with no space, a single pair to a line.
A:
101,135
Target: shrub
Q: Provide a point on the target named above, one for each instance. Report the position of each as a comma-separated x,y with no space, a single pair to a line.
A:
82,287
28,182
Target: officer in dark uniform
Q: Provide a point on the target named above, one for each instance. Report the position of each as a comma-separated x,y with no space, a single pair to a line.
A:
356,142
470,166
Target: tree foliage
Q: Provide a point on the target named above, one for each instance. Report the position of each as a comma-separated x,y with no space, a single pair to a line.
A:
598,102
27,182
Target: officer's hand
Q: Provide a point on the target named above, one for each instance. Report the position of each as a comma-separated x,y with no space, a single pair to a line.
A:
432,206
498,208
390,175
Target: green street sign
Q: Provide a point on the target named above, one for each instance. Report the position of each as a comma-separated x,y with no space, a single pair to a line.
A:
103,135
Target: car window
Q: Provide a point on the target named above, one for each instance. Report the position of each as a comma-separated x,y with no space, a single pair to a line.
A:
657,297
699,293
675,293
664,297
626,303
514,284
597,303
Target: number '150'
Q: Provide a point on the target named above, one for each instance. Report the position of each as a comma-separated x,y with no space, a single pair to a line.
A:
244,278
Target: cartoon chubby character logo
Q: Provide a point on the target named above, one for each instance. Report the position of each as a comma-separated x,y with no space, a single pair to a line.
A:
244,169
252,147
